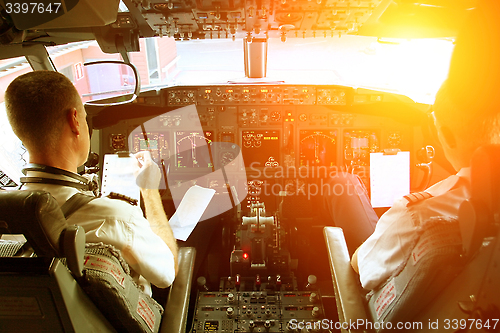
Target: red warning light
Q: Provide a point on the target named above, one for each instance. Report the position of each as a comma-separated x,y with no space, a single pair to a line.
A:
245,256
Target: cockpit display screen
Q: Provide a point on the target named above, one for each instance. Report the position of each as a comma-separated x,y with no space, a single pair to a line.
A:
193,149
211,326
148,144
359,142
155,142
261,146
318,148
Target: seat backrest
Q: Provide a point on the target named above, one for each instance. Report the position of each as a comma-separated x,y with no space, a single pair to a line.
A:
486,188
39,293
479,214
106,280
37,216
42,289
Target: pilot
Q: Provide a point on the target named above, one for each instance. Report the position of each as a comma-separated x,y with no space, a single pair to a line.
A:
467,116
47,114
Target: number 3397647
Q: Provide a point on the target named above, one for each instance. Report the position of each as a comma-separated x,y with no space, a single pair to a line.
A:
32,8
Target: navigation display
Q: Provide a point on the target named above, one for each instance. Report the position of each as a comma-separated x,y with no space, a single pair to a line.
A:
261,147
193,149
318,148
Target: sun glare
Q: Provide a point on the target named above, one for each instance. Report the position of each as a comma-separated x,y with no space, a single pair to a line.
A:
415,68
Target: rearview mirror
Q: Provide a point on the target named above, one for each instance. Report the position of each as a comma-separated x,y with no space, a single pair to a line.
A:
111,82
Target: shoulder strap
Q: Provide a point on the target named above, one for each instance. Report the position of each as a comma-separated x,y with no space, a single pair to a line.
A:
74,203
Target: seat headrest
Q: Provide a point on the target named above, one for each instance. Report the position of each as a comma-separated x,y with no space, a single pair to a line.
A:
36,215
485,178
477,215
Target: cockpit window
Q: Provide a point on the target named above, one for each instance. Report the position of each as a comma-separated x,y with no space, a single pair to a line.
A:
415,68
122,7
13,155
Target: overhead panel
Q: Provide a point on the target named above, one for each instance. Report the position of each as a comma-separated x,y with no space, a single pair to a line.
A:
77,20
207,19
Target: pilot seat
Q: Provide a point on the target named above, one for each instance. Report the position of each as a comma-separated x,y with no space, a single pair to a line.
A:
448,282
56,286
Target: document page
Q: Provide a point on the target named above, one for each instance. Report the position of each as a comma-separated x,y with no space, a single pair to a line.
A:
190,210
118,176
389,177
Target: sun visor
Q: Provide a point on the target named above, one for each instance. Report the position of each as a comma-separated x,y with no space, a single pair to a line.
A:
62,14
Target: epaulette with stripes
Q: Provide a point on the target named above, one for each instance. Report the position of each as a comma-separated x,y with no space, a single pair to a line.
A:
417,197
114,195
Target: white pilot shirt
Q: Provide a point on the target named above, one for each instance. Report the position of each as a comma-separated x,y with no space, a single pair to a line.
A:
122,225
390,244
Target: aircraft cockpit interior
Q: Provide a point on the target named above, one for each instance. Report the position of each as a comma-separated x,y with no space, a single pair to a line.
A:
250,108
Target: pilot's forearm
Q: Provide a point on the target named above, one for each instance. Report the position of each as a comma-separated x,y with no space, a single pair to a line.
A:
155,214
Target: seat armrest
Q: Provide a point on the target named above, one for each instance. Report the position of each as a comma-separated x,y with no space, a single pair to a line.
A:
350,304
176,310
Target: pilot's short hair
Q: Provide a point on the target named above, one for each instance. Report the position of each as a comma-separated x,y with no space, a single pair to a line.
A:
37,104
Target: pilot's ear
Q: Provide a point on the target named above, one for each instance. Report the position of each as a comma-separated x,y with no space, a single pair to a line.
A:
72,118
448,136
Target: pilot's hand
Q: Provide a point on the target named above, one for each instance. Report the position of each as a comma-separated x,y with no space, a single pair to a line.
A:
148,174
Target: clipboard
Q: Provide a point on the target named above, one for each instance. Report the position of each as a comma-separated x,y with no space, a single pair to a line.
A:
118,176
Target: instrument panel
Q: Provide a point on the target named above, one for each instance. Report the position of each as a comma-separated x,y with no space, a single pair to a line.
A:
281,131
252,95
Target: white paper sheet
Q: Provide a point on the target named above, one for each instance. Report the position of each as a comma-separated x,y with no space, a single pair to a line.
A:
190,210
389,177
118,176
